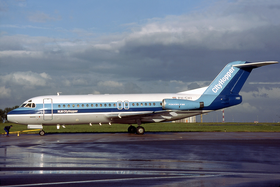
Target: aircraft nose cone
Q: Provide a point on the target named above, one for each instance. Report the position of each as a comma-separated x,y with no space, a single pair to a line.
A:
11,118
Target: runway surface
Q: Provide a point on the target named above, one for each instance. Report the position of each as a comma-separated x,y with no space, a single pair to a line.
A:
154,159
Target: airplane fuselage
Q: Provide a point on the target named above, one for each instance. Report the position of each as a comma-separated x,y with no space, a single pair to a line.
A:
81,109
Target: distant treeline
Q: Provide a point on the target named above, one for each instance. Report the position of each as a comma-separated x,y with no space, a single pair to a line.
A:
3,113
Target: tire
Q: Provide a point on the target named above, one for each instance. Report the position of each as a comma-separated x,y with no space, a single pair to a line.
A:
140,130
131,129
42,133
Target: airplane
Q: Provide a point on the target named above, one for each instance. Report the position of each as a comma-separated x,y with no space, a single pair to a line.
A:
137,109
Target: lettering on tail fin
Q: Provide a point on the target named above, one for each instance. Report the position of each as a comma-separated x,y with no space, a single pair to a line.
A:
225,78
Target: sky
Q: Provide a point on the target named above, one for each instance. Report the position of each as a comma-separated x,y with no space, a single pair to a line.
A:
139,46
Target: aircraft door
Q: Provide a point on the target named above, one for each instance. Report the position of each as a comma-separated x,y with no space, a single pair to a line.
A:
47,109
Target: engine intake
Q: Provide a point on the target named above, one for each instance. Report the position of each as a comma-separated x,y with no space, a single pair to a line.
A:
180,104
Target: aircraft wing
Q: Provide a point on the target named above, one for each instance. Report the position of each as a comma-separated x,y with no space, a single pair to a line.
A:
121,115
129,117
150,116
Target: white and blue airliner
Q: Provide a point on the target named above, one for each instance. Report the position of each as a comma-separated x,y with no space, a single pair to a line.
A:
131,109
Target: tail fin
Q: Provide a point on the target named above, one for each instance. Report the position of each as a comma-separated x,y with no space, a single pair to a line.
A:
224,89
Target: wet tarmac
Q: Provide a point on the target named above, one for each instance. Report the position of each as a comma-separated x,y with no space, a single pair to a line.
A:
154,159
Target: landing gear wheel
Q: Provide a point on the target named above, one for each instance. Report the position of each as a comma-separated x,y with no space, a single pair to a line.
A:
42,133
140,130
131,129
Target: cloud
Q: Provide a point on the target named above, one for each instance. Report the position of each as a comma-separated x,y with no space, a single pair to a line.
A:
244,107
269,83
23,27
4,6
110,84
79,81
215,30
96,92
26,79
4,92
42,17
176,82
262,92
83,32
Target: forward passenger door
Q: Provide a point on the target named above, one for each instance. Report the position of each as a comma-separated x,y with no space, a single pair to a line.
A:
47,109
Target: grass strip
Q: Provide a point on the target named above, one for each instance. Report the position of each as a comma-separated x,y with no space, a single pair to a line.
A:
153,127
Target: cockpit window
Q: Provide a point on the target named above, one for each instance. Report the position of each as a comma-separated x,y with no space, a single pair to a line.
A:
23,105
28,105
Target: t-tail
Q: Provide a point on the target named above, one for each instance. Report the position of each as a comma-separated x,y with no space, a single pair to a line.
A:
224,90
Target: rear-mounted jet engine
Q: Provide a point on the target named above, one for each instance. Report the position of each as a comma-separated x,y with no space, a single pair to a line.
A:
180,104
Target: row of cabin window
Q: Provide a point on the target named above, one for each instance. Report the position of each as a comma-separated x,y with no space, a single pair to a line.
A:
105,105
87,105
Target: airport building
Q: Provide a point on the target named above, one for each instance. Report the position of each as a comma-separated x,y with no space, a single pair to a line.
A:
186,120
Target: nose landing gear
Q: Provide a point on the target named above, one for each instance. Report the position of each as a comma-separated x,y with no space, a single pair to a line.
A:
42,133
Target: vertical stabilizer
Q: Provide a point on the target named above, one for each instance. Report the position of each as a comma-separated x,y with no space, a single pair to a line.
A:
224,89
230,79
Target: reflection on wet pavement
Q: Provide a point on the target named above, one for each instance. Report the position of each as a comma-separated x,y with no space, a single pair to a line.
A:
155,159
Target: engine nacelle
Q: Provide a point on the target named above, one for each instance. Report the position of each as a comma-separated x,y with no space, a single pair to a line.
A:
180,104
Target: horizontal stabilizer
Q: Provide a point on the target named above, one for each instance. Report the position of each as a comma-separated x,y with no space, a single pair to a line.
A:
255,64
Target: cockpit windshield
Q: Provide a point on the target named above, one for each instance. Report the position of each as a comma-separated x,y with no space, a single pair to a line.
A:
23,105
28,105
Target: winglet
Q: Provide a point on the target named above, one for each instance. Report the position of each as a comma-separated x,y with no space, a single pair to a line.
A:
255,64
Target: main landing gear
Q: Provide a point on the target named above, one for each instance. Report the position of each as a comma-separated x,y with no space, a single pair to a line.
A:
139,130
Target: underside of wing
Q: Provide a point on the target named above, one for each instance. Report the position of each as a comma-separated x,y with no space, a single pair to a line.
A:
151,116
